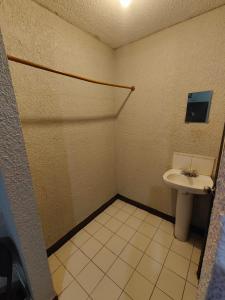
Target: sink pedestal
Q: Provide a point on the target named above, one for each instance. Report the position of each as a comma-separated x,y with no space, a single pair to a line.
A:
186,187
183,215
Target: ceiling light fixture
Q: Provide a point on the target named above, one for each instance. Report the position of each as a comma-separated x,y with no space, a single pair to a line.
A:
125,3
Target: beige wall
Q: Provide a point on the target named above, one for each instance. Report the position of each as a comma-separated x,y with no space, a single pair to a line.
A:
18,210
69,127
164,67
67,124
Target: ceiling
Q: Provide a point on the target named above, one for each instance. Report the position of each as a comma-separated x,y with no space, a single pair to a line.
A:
118,26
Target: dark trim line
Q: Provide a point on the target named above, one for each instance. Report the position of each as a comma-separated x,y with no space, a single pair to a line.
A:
81,225
158,213
55,298
78,227
147,208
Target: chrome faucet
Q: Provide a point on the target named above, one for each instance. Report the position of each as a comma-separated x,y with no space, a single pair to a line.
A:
189,173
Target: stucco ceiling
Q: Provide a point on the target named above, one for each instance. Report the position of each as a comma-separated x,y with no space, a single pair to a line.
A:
118,26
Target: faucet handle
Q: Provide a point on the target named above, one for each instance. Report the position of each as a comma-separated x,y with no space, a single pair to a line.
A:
189,172
185,171
194,173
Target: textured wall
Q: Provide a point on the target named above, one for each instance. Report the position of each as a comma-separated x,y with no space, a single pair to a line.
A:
117,26
214,233
165,67
17,203
67,124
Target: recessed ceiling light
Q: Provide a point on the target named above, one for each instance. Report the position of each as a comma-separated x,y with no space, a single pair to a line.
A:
125,3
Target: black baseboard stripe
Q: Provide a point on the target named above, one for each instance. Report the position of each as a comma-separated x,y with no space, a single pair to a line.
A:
81,225
78,227
147,208
158,213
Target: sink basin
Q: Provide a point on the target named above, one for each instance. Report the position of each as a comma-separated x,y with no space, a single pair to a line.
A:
194,185
186,187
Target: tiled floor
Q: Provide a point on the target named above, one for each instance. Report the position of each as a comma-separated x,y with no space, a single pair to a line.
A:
126,254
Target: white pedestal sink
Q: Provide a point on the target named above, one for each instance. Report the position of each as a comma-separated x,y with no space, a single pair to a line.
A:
186,186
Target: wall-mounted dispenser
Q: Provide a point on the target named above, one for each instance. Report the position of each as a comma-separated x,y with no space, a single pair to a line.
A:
198,107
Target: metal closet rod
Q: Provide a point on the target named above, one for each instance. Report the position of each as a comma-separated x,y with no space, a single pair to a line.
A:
41,67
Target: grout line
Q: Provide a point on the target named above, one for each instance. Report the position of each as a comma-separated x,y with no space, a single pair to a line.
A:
91,259
163,293
126,244
83,242
163,266
155,284
188,272
135,270
117,257
185,279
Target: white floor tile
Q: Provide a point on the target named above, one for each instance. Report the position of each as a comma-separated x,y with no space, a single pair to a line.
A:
75,263
153,220
120,273
53,263
92,227
113,224
190,292
104,259
126,232
106,289
103,218
111,210
122,216
61,279
177,264
116,244
133,222
196,255
91,247
157,251
182,248
89,277
131,255
166,226
163,238
171,284
103,235
192,274
147,229
159,295
80,238
129,208
140,214
140,241
149,268
72,291
66,251
124,296
119,204
138,287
